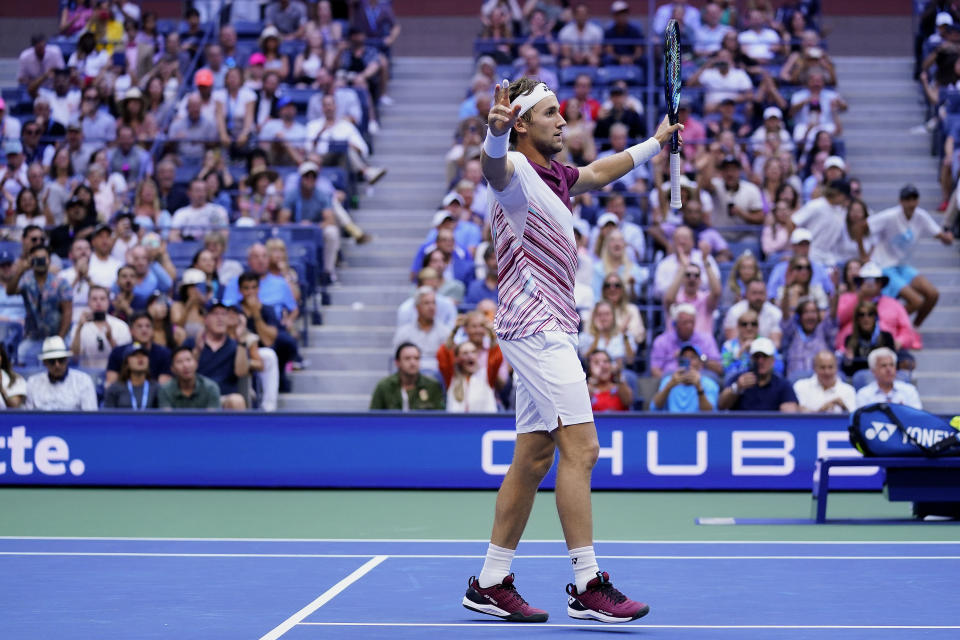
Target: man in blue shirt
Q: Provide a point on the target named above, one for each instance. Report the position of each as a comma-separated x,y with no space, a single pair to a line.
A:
760,389
800,245
274,291
485,289
686,391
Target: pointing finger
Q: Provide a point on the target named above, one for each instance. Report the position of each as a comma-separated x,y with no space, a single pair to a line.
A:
505,92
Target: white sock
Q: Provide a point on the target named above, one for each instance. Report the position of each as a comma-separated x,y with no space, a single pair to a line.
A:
585,567
496,566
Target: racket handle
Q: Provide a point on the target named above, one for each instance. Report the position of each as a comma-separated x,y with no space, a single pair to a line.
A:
675,181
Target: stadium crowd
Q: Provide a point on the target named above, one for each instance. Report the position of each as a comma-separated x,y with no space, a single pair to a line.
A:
174,191
774,287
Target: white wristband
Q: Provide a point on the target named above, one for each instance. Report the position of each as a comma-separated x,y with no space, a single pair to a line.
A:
642,152
496,146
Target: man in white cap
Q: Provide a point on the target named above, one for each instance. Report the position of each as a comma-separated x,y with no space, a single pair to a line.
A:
536,324
615,211
772,125
760,389
60,388
834,168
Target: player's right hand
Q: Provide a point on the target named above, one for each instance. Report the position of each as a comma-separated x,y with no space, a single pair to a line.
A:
502,116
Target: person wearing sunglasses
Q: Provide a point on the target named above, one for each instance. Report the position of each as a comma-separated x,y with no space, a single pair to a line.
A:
768,314
864,338
799,284
625,313
759,389
735,352
686,288
60,388
891,315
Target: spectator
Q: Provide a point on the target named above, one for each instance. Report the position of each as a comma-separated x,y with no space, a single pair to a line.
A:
721,80
855,240
158,356
685,288
407,389
460,266
885,386
439,262
470,390
425,332
60,388
800,241
14,177
220,357
274,289
484,288
626,315
102,269
165,333
125,301
307,64
735,353
616,212
13,387
605,335
127,158
865,336
890,314
806,331
97,333
608,389
823,217
709,35
329,128
187,311
9,126
635,180
799,285
216,243
199,216
619,111
98,126
816,106
759,41
824,392
810,56
276,347
11,306
234,111
775,237
77,277
580,40
362,64
666,346
446,307
170,195
288,16
686,391
306,202
474,327
622,42
578,135
133,389
768,314
64,101
188,389
773,125
279,265
47,299
760,389
736,201
213,56
284,139
193,133
37,63
684,12
683,245
531,69
897,231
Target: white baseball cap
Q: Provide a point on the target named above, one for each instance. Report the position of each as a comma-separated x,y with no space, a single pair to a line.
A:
608,218
944,18
442,216
835,161
772,112
763,345
801,235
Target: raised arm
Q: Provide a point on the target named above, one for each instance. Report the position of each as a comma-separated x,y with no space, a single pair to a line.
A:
497,168
602,172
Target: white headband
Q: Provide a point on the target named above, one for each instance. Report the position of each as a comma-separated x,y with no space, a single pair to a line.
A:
527,101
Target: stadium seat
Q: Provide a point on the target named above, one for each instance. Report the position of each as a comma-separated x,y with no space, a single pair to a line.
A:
11,333
181,253
247,30
631,74
569,74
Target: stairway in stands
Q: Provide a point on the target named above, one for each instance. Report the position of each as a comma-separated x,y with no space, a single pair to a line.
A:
351,350
885,103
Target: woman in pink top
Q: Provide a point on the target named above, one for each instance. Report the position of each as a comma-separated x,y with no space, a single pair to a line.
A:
893,317
686,288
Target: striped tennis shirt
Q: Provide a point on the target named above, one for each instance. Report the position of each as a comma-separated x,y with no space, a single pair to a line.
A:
536,253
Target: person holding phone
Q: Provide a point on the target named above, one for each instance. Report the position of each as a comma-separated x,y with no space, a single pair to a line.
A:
47,298
686,390
96,333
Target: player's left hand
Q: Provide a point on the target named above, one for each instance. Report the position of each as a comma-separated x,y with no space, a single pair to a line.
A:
665,131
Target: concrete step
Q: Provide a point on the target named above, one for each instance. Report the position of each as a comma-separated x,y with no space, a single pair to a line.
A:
339,358
944,338
348,381
338,336
937,383
407,232
941,276
390,261
865,161
944,317
929,359
370,276
374,295
324,402
387,243
360,314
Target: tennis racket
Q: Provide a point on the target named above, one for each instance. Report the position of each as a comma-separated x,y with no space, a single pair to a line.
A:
671,90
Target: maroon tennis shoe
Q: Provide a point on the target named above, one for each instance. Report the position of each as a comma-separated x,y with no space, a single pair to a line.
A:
602,601
501,600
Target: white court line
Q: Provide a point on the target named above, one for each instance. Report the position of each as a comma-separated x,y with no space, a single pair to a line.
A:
441,556
323,599
494,625
478,540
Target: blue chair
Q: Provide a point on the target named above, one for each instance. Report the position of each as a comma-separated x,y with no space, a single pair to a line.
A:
181,253
569,74
11,333
247,30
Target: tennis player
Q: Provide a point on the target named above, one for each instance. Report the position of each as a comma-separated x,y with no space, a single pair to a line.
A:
536,324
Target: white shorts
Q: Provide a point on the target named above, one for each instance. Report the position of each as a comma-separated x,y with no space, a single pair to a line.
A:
550,381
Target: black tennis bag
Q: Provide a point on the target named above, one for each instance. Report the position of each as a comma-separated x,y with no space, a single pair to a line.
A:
896,430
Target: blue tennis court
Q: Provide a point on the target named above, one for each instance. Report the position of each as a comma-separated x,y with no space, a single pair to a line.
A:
107,588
